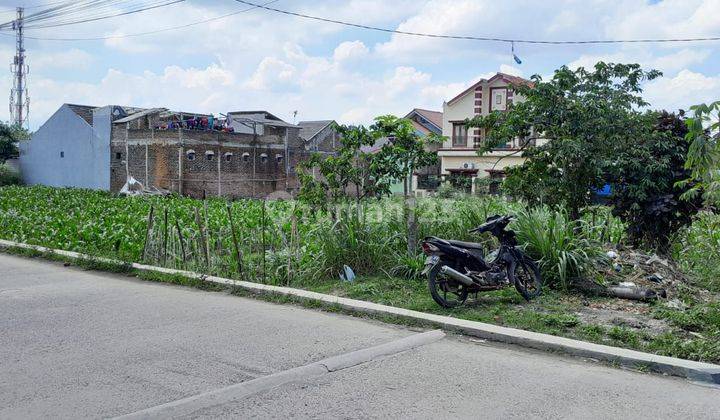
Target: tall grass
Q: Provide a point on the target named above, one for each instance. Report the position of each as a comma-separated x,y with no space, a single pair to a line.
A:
565,249
697,250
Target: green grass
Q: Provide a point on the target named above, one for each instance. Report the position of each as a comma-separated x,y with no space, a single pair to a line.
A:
697,250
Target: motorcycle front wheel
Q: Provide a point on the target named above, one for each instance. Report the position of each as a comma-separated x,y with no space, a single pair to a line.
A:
445,291
525,275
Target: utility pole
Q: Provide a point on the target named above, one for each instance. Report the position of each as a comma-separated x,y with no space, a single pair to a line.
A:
19,100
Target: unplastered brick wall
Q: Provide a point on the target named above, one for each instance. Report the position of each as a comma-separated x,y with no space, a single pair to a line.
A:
199,163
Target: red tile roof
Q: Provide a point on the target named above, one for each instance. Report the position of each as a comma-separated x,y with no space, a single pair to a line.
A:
510,79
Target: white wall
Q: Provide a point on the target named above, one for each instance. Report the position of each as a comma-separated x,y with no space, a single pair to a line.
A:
458,111
86,161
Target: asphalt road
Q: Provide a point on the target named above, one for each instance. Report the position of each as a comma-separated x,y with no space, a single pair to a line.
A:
81,344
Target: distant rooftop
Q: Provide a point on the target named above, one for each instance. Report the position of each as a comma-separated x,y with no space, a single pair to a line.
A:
435,117
310,129
83,111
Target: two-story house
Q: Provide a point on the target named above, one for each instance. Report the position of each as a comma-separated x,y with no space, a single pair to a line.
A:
459,159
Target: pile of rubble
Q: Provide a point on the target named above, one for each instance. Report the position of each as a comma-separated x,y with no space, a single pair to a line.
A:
632,274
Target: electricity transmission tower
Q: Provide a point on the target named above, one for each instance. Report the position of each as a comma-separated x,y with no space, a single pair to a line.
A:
19,100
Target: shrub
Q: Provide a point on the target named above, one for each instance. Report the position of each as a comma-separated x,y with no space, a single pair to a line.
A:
560,245
446,190
9,177
697,250
646,189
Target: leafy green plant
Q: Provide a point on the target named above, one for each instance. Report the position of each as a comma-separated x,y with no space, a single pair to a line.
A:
8,176
704,155
563,250
697,250
10,135
446,190
646,188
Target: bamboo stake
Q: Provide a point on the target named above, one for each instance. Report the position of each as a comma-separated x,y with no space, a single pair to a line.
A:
182,243
147,232
207,232
238,255
165,238
263,244
292,249
203,239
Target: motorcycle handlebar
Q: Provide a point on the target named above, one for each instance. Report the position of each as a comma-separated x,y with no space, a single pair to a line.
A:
482,227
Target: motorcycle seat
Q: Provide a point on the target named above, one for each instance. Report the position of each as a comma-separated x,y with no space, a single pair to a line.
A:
466,245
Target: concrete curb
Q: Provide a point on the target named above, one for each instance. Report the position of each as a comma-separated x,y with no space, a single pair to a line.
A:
695,371
188,406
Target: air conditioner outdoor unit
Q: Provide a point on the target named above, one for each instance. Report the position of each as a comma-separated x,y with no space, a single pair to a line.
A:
468,165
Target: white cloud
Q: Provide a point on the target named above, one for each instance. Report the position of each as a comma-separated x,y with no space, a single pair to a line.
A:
270,72
669,63
350,50
667,18
680,92
441,17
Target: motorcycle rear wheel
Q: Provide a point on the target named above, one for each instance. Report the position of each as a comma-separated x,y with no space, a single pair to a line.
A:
525,275
445,291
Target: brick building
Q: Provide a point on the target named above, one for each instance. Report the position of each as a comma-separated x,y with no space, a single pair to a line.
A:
246,154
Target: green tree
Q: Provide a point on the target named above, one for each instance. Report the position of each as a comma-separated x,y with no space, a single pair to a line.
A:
332,177
10,135
366,174
644,178
704,155
584,115
404,152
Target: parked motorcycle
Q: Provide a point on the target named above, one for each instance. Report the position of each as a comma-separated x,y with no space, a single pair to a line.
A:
456,269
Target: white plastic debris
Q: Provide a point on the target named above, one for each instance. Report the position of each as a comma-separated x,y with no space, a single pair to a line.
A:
348,274
135,187
132,187
612,255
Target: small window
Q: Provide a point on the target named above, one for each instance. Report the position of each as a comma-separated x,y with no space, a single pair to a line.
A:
228,157
459,135
209,155
263,158
62,154
118,155
191,155
279,158
246,157
498,99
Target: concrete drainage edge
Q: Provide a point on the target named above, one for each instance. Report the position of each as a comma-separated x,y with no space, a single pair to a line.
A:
695,371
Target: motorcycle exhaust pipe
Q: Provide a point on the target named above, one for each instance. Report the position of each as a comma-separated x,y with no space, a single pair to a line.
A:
456,275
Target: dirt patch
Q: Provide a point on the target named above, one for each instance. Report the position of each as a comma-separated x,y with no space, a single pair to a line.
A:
638,320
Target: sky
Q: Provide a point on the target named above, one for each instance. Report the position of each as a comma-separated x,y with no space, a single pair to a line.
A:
264,60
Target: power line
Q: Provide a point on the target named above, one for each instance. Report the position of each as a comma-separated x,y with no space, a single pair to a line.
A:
33,7
478,38
106,16
187,25
98,10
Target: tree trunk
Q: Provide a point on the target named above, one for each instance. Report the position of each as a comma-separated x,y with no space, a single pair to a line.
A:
411,225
